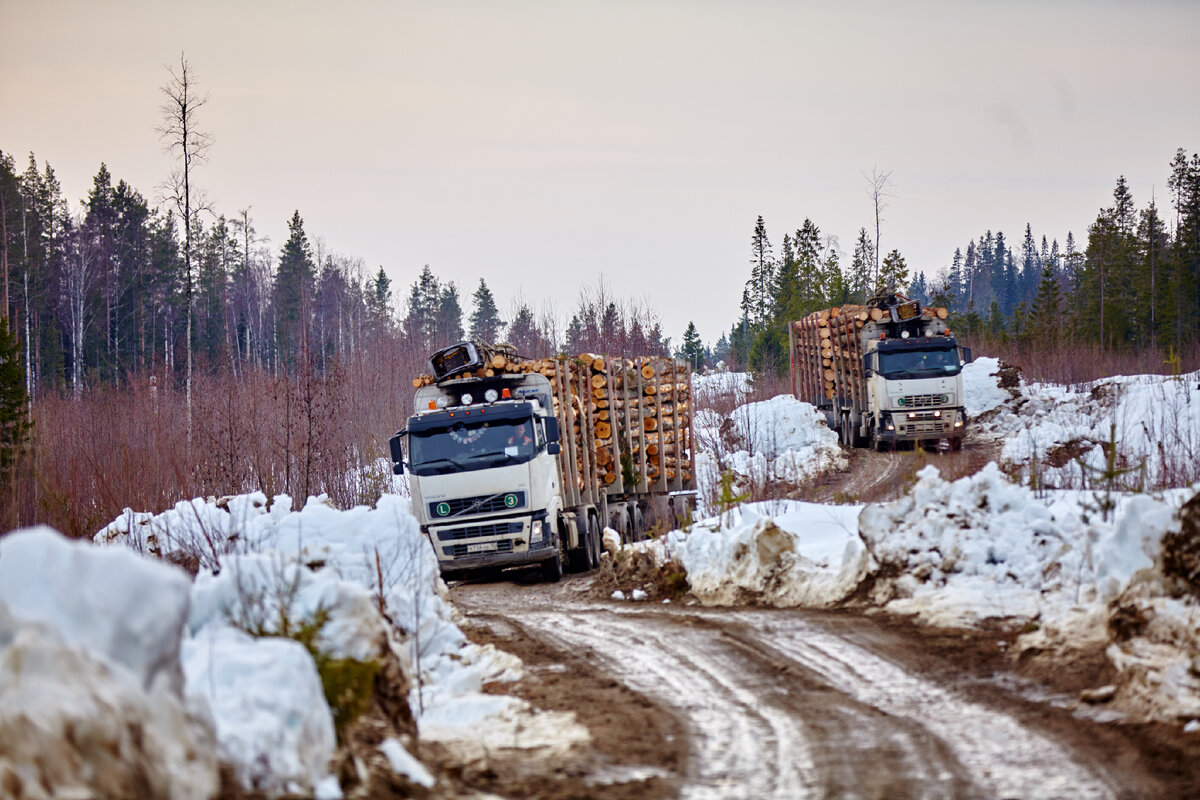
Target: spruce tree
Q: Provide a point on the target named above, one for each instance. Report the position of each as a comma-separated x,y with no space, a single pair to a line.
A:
761,285
294,284
893,273
485,321
448,327
692,348
14,404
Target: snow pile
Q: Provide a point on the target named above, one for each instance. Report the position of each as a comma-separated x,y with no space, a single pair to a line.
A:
981,391
780,440
91,700
783,553
263,558
1154,419
957,553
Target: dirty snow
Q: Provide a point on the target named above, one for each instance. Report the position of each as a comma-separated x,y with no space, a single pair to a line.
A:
780,440
90,674
1154,420
314,558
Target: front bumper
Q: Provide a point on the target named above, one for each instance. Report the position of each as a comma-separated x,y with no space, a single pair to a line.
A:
495,542
912,426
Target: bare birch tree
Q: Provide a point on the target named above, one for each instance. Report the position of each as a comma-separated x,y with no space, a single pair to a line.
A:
183,139
877,189
80,271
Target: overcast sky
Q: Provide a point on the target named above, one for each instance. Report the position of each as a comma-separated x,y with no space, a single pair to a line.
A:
541,145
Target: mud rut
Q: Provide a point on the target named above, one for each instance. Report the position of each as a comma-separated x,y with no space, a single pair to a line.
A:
683,701
771,703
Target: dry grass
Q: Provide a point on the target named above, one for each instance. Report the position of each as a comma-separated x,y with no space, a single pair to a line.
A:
302,434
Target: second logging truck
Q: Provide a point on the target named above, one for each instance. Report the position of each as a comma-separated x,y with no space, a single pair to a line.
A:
883,373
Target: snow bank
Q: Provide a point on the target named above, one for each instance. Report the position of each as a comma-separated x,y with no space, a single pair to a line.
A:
783,553
262,558
90,678
981,392
272,722
1154,419
958,553
777,440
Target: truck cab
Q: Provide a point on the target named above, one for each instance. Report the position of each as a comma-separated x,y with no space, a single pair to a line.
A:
915,389
485,476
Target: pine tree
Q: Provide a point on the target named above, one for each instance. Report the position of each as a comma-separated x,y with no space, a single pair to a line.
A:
692,348
294,284
448,327
14,404
893,273
379,297
485,321
424,302
523,333
1046,319
761,285
862,266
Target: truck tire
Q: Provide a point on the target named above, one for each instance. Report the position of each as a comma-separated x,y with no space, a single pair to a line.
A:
590,540
552,568
579,558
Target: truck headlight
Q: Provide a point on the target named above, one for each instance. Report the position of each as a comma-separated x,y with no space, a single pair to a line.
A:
535,531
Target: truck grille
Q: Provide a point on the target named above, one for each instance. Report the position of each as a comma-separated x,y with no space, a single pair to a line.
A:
923,400
479,531
487,504
459,550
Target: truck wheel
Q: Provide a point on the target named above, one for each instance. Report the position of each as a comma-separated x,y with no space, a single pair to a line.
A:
956,443
552,568
578,557
593,542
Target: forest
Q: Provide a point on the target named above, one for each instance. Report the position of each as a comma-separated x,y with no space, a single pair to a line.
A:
151,352
1128,294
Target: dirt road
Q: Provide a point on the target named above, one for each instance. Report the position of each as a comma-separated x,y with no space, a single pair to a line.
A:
769,703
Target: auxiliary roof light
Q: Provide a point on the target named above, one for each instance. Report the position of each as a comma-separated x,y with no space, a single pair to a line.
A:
466,398
491,395
505,393
443,401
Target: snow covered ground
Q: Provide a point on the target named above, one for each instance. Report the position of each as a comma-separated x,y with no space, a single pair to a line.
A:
1154,421
217,660
1060,564
776,441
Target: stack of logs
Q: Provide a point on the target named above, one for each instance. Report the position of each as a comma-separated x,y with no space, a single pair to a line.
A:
831,339
637,408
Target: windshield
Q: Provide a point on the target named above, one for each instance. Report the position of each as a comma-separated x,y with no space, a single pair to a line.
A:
931,363
472,445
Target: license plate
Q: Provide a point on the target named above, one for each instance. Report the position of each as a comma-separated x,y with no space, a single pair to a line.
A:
482,547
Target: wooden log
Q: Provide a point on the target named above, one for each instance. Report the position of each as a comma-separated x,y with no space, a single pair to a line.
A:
650,424
647,371
603,430
942,313
877,314
598,364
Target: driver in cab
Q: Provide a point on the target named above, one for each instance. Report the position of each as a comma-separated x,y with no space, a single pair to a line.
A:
521,437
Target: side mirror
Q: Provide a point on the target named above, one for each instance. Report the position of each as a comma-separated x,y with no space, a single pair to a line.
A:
397,453
553,448
964,355
552,434
870,373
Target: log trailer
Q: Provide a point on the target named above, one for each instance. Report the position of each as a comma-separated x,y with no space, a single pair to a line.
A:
883,373
517,462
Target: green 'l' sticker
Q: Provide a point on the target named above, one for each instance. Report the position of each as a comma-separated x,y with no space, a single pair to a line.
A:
443,509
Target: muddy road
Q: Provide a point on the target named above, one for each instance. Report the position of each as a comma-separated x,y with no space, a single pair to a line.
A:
684,701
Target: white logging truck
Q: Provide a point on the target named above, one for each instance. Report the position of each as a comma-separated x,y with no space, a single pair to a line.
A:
883,373
517,461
